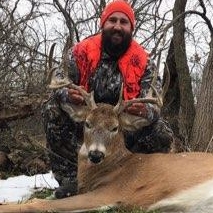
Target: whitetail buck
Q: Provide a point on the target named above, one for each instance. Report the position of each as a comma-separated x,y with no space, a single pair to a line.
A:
111,176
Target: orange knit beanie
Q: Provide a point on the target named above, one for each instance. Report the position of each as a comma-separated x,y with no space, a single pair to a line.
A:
118,6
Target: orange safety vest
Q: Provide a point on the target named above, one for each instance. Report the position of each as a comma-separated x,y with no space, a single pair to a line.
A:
132,64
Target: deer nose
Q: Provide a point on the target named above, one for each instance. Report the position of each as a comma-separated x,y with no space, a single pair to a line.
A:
96,156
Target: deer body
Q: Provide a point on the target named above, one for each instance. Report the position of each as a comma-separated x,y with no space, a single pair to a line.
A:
111,176
173,182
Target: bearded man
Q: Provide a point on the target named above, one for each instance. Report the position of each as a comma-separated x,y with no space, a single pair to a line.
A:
101,63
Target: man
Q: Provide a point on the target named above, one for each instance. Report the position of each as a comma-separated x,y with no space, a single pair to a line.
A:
101,63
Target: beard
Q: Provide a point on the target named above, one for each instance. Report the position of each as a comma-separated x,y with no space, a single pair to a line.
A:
116,42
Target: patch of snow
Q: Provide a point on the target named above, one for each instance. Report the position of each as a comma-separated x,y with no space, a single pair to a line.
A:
20,188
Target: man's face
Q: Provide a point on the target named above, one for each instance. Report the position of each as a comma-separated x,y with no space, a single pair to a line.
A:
117,33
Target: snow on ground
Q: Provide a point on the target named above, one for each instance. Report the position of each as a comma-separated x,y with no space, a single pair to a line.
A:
20,188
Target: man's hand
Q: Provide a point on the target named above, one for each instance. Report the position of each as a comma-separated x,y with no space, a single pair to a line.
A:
75,96
138,109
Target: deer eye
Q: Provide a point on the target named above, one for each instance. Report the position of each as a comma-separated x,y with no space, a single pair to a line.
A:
88,124
114,129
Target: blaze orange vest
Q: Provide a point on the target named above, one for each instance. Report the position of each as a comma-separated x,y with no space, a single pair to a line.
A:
132,64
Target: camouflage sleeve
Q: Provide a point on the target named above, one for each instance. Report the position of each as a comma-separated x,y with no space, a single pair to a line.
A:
73,72
152,110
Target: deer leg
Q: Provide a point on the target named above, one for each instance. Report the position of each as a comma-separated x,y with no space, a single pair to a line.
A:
95,200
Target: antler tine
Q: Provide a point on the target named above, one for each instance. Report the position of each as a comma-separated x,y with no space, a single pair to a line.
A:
149,96
153,83
154,79
119,107
52,81
50,58
122,105
158,99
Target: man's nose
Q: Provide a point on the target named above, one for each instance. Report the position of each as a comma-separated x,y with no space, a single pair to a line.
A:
117,25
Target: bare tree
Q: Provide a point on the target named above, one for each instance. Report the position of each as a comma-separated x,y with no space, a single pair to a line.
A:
23,61
187,109
184,109
202,132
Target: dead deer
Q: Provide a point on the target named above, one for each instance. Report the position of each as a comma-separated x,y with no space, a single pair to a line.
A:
109,175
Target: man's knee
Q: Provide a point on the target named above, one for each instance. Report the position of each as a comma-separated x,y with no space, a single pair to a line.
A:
163,129
68,184
157,137
164,135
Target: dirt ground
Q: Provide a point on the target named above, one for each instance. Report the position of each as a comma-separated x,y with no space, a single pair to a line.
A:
23,147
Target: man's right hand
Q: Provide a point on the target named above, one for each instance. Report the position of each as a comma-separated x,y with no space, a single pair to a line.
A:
75,96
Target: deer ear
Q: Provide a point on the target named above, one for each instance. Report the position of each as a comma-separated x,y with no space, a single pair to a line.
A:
77,112
131,122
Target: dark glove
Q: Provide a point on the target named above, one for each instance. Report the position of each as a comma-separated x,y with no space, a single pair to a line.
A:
138,109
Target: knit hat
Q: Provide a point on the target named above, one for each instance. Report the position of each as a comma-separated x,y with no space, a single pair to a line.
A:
118,6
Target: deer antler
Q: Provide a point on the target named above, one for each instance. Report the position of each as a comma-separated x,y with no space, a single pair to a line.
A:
55,82
157,99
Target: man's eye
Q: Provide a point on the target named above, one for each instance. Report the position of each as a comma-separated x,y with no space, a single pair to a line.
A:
112,20
124,22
